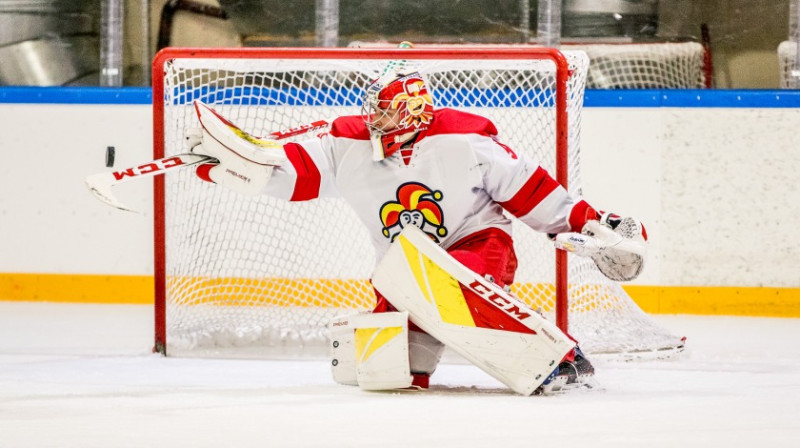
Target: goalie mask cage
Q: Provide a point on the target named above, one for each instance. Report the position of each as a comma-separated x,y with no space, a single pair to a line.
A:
257,276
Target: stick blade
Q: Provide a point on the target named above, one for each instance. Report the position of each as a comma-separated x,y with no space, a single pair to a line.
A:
100,186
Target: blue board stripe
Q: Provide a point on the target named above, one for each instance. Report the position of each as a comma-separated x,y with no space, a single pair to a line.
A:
693,98
76,95
593,98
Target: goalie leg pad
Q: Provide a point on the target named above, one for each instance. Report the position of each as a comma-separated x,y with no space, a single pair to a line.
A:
342,351
371,350
381,351
474,317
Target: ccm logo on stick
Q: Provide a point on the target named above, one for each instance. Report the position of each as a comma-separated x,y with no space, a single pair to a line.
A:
149,168
509,307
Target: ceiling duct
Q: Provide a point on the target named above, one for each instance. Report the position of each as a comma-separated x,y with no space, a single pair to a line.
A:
48,43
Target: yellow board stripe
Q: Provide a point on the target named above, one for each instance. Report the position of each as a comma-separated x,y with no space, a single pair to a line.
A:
367,340
82,288
447,294
138,289
717,300
79,288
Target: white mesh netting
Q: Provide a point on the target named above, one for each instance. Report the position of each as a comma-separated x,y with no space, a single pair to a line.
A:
666,65
262,277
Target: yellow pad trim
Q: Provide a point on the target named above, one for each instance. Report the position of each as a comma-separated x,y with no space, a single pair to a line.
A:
438,287
367,340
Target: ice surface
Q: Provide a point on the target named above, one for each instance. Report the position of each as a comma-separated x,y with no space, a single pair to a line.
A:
83,376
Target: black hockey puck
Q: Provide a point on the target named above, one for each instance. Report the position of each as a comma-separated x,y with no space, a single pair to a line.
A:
110,156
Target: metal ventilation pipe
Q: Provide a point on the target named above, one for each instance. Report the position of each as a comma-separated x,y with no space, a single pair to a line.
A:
794,34
144,16
525,20
548,28
111,43
327,15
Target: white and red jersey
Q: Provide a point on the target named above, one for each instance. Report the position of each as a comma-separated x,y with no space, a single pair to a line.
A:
454,181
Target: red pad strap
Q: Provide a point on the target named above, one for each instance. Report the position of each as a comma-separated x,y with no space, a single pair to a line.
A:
202,171
308,177
420,380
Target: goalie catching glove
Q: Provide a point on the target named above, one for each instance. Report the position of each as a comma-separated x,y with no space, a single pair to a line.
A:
616,245
245,163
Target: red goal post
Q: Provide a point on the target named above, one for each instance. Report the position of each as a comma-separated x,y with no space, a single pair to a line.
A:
215,299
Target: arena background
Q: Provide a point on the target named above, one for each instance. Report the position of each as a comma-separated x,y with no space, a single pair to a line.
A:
712,172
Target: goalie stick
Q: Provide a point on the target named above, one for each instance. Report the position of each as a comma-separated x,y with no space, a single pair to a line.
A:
101,184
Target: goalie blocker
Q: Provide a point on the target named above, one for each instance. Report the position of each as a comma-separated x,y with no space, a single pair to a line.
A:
475,318
244,163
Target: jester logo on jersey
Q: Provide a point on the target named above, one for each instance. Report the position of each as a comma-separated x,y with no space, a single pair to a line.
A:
416,205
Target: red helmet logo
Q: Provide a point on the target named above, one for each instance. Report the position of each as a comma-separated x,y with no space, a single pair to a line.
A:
399,106
410,96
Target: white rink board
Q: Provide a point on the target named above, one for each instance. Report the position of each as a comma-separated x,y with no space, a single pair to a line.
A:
716,187
711,185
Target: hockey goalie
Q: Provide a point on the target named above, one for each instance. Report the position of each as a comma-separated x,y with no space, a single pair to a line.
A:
431,185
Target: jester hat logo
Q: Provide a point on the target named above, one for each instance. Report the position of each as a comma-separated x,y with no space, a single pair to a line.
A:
416,205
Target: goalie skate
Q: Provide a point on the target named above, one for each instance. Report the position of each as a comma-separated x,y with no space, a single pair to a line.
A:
560,385
570,375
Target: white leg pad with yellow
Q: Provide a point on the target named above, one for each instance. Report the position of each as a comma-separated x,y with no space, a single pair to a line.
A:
381,343
342,351
371,350
475,318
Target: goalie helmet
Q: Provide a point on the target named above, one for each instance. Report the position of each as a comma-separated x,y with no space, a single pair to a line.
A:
395,109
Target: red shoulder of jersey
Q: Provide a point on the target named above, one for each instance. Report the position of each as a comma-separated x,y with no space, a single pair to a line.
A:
350,126
451,121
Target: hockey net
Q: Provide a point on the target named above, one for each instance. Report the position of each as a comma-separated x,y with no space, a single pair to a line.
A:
627,65
245,276
658,65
